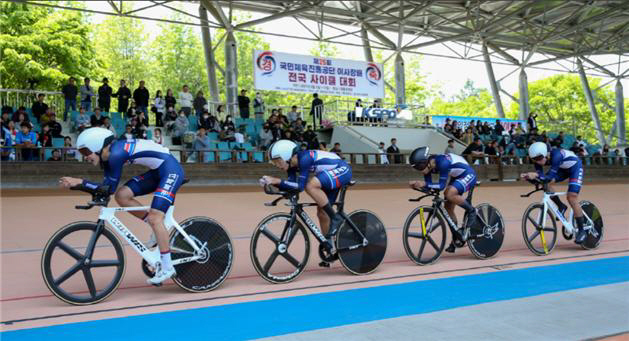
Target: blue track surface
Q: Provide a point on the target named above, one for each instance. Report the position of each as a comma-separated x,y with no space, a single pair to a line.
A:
304,313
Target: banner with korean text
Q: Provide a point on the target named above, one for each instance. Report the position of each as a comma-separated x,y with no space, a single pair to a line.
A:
330,76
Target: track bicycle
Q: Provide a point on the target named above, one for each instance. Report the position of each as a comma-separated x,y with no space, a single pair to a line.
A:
427,225
280,246
201,251
539,227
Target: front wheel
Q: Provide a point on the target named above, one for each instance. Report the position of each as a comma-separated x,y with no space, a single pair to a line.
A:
361,247
540,235
487,236
279,250
594,224
216,251
424,235
83,263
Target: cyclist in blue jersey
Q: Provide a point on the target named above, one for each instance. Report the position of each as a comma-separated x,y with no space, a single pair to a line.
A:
564,164
331,173
462,179
163,179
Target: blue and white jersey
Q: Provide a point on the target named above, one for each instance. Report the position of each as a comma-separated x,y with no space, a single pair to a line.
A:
559,159
130,151
315,161
447,165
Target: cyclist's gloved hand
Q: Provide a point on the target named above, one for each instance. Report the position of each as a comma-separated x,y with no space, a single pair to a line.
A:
265,180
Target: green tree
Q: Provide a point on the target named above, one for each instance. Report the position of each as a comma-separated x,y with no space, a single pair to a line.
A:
468,90
43,47
480,105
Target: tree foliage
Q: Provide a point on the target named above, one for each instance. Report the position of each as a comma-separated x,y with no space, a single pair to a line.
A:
480,105
43,47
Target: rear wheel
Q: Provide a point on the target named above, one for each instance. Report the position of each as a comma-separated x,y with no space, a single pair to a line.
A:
594,223
539,236
485,239
424,241
361,251
217,254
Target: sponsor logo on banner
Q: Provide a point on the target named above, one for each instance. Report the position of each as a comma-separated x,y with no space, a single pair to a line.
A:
373,74
266,63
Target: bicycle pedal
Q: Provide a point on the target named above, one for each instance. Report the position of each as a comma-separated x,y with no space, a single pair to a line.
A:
324,264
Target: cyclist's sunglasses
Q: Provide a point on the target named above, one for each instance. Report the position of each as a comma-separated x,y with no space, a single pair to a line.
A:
539,158
85,151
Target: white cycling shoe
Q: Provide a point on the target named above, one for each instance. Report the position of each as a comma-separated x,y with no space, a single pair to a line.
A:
161,275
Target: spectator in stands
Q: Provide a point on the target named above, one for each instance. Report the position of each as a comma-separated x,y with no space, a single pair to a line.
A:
258,107
239,136
282,119
468,137
160,108
22,117
185,100
157,136
455,125
337,150
228,123
316,110
171,117
581,141
383,154
39,108
55,127
132,112
201,142
123,94
498,128
5,141
472,126
450,147
27,140
6,119
491,150
393,149
447,128
486,129
45,137
199,104
69,94
204,120
265,137
518,129
474,149
16,114
96,120
293,115
323,146
531,122
298,126
458,133
243,104
44,119
87,92
181,124
128,132
104,95
56,155
141,97
70,152
82,121
575,148
137,129
170,99
558,141
219,111
107,125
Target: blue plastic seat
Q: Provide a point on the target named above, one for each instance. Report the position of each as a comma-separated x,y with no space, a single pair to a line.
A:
224,155
57,142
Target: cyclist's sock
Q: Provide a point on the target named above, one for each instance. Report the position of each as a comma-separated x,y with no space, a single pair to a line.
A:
580,222
557,201
329,211
467,206
166,261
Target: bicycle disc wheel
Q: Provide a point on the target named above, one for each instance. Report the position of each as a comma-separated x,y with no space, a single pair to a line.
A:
595,235
356,257
75,277
487,236
424,248
540,237
275,261
217,252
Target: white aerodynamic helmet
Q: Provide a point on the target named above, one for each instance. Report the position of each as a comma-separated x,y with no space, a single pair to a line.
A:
283,149
93,140
538,149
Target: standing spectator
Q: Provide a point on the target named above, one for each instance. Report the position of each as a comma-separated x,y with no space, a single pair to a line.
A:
69,94
56,155
86,94
293,115
5,141
498,129
45,137
27,140
96,120
82,121
383,154
141,98
170,99
157,136
199,104
104,95
337,150
123,94
39,108
69,149
55,127
258,106
531,122
243,104
393,149
160,108
316,110
265,137
185,100
450,147
107,125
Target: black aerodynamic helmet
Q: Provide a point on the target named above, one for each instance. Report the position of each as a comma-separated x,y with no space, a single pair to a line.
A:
419,158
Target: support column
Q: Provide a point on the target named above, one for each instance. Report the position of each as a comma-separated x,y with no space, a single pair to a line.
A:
492,82
209,56
400,83
590,100
620,115
366,45
524,96
231,73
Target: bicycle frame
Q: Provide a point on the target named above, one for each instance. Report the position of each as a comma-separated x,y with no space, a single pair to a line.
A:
549,205
107,214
